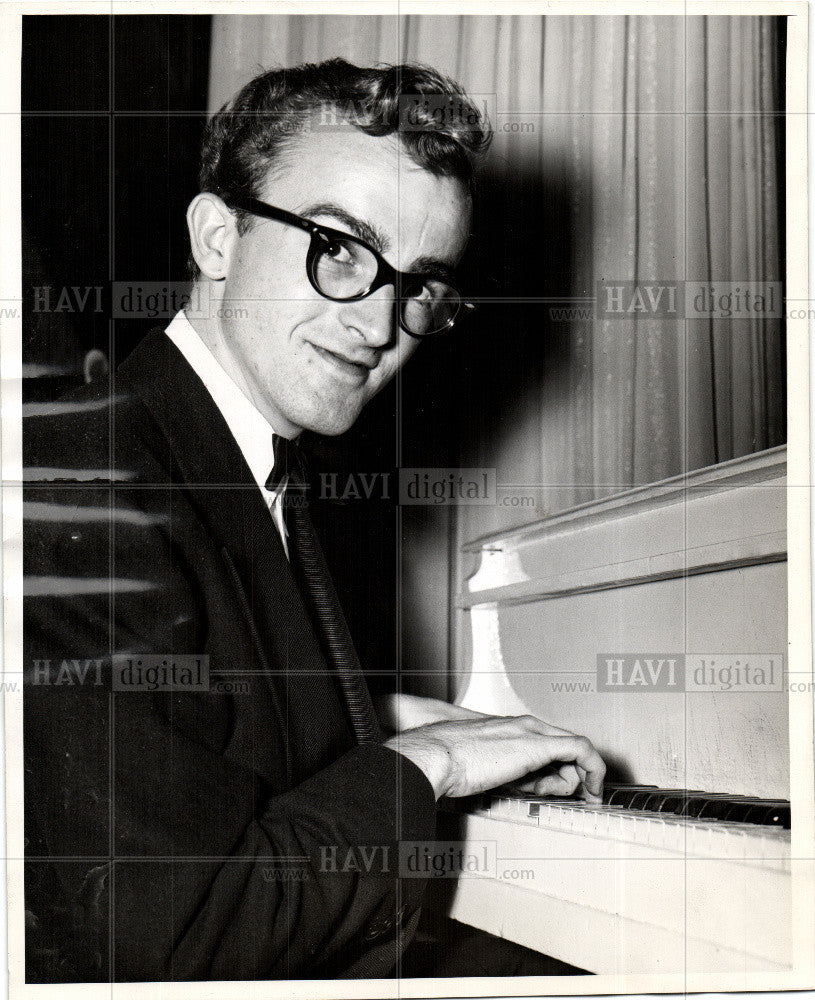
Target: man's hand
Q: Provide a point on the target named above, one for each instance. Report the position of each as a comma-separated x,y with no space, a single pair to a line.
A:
400,712
471,755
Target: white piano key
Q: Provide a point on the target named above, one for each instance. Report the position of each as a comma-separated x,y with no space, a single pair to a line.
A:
660,886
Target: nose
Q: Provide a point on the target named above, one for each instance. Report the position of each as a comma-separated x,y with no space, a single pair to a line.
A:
372,318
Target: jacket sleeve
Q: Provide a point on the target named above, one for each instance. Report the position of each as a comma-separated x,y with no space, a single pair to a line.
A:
310,878
166,859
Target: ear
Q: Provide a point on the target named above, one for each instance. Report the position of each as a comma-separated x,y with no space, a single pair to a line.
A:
213,232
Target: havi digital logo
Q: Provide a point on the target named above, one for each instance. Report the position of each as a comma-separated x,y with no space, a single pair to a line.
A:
640,672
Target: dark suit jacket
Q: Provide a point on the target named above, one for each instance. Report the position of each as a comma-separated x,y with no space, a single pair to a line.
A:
189,835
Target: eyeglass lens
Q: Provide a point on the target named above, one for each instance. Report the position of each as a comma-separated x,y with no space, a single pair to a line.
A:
344,269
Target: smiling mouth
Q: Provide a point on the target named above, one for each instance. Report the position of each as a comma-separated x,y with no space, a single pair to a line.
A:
350,370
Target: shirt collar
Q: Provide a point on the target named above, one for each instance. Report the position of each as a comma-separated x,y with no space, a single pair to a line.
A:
252,432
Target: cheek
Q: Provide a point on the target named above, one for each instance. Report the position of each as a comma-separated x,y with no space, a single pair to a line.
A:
267,277
281,325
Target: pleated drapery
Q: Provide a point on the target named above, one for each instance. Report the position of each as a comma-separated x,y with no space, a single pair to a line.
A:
628,149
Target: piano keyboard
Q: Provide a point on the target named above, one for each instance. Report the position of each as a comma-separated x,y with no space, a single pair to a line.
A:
699,805
652,880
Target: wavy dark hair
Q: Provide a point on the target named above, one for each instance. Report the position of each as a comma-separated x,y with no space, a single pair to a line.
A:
440,128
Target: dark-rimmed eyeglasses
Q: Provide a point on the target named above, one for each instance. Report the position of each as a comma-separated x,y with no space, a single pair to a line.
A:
344,268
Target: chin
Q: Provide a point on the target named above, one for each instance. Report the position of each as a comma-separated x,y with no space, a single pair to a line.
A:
334,428
330,424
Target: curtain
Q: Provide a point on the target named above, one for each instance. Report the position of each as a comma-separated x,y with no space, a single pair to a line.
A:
627,149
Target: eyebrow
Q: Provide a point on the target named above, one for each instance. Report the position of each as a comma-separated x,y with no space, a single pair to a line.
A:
434,268
364,230
431,266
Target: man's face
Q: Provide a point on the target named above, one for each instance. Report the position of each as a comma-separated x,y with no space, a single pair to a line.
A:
308,362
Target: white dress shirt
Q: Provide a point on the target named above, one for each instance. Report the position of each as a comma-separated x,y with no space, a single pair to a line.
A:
249,427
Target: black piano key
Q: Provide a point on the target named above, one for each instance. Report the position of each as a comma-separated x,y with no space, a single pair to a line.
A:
769,813
780,816
665,800
695,804
641,800
655,800
758,813
668,802
663,803
675,801
622,795
739,811
685,803
715,808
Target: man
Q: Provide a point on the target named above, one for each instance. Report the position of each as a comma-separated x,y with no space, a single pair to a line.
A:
249,829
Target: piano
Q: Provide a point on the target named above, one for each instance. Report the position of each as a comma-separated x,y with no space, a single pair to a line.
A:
686,867
654,880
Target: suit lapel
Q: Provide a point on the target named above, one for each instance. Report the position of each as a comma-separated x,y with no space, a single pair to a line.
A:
206,459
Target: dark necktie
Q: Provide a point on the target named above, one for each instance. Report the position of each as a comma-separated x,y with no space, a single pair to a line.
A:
318,592
288,459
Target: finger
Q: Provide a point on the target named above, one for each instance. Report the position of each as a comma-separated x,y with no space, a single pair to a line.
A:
524,786
536,786
592,763
586,794
579,751
566,781
570,774
554,784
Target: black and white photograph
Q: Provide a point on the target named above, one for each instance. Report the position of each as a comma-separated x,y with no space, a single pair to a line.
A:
406,499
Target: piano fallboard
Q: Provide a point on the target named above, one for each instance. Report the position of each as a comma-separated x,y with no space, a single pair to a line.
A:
613,889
